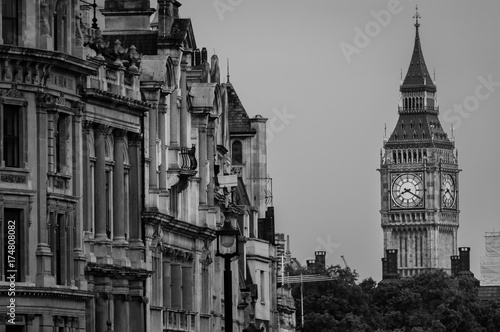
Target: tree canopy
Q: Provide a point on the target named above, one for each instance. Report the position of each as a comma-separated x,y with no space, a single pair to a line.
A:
430,301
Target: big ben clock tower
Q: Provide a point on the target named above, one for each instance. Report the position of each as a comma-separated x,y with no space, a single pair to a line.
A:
419,178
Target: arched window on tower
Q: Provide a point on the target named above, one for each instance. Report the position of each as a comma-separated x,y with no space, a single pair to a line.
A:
237,152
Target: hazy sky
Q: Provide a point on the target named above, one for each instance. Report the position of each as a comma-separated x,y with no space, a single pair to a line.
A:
328,107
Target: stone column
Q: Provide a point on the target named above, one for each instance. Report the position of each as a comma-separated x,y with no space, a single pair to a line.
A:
122,313
211,159
101,315
136,305
87,175
100,182
162,110
153,163
184,112
202,166
174,120
176,285
167,283
78,184
135,189
43,252
187,287
119,188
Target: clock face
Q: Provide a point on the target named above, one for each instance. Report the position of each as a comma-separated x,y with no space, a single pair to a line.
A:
448,191
407,191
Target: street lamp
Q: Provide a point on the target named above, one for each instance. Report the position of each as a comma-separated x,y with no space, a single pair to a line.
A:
227,236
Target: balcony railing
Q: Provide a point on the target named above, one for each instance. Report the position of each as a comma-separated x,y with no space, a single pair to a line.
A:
188,157
418,109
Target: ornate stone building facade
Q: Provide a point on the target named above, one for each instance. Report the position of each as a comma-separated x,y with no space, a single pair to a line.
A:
119,161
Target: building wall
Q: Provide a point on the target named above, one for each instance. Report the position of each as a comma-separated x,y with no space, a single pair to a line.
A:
114,188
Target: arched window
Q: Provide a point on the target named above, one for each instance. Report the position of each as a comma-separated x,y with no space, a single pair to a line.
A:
237,152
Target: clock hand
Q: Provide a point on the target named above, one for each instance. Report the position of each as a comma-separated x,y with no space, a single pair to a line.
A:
409,191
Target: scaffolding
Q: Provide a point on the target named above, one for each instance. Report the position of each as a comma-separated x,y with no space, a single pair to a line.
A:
490,264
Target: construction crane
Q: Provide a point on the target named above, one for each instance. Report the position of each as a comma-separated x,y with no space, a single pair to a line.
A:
345,262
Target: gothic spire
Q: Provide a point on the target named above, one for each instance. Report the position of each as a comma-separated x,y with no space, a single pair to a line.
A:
417,75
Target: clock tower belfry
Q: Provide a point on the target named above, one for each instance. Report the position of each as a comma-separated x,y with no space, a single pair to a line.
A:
419,178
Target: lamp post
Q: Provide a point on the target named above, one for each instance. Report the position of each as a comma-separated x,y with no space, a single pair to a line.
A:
227,236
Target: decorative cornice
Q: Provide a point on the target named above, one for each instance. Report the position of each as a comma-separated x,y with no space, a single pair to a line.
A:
117,272
47,292
169,224
62,60
116,99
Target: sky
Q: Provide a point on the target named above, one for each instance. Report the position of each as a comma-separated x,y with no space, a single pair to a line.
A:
326,74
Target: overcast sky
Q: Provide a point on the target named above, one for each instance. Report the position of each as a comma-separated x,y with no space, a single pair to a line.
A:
328,91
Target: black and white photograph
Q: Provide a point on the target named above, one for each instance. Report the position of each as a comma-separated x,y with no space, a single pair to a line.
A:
249,165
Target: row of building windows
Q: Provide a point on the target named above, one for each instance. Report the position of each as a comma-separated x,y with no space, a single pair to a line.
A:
53,22
409,156
13,126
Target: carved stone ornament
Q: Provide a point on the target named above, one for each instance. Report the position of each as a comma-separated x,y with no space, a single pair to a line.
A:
44,98
99,45
11,178
120,53
206,257
13,92
79,107
134,57
61,101
177,255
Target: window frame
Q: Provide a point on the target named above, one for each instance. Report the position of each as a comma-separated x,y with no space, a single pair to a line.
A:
21,203
21,105
16,22
61,234
237,158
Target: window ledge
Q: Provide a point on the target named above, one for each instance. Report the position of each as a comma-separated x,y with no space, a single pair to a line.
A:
15,170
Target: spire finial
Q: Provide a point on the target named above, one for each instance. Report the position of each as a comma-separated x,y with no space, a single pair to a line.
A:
416,16
227,70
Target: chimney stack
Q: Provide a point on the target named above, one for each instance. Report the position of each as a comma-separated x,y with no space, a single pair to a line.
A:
455,265
320,259
390,264
127,15
168,11
464,253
